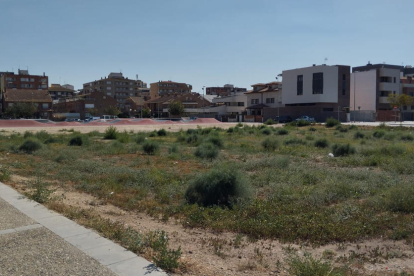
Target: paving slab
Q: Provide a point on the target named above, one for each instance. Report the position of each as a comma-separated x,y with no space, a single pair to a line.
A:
12,218
87,241
110,253
37,241
41,252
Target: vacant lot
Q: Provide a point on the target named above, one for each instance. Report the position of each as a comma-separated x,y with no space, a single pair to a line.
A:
247,200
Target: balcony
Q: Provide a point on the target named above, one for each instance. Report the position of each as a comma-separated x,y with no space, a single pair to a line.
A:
388,86
383,100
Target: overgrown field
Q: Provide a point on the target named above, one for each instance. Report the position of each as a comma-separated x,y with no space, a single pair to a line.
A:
262,181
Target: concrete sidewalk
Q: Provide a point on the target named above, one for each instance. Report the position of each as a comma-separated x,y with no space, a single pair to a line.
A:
37,241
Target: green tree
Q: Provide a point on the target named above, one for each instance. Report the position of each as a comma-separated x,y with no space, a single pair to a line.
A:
176,108
21,110
399,101
93,111
146,112
112,110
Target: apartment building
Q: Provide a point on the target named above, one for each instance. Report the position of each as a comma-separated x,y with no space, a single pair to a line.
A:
225,90
40,98
370,86
86,105
319,91
58,91
116,86
168,87
263,95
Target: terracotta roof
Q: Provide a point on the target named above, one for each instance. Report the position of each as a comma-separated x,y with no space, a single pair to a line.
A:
60,89
161,99
267,89
137,100
26,95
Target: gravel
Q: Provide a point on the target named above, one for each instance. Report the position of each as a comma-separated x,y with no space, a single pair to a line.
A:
11,217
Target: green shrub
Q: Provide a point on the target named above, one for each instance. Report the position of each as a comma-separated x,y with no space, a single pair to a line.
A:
312,129
52,140
5,174
139,139
173,149
270,144
150,147
352,127
266,131
40,190
162,132
341,128
153,134
342,150
181,137
167,259
111,133
270,122
192,131
401,199
358,135
407,137
282,131
230,130
206,130
76,141
193,139
308,266
302,123
206,151
215,140
294,141
123,137
331,122
220,186
27,134
321,143
378,133
30,146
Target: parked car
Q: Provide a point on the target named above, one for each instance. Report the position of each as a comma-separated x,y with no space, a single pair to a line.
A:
283,119
306,118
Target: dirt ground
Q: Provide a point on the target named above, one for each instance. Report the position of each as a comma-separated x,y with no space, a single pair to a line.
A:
208,253
135,128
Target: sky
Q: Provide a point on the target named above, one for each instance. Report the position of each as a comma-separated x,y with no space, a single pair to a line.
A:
199,42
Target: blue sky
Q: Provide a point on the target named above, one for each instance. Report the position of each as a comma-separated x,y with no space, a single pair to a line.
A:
201,42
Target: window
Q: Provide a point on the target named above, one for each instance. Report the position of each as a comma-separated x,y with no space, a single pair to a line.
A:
24,79
385,79
31,80
299,85
404,107
240,104
317,84
109,88
270,100
395,79
45,105
109,94
10,104
384,93
343,84
108,82
255,101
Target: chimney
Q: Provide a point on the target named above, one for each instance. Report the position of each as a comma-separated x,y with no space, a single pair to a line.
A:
43,74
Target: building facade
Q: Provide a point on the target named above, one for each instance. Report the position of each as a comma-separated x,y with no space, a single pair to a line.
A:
168,87
263,95
319,91
226,90
40,98
87,105
116,86
58,92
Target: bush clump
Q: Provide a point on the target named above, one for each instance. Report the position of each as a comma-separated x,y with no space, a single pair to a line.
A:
312,129
359,135
266,131
401,199
162,132
220,186
76,141
215,140
111,133
282,131
206,151
407,137
193,139
294,141
378,133
270,121
343,150
302,123
321,143
270,144
30,146
150,147
331,122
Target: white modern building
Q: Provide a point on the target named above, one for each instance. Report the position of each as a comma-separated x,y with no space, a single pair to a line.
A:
264,95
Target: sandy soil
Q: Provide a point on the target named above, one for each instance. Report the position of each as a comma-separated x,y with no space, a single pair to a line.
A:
85,128
208,253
